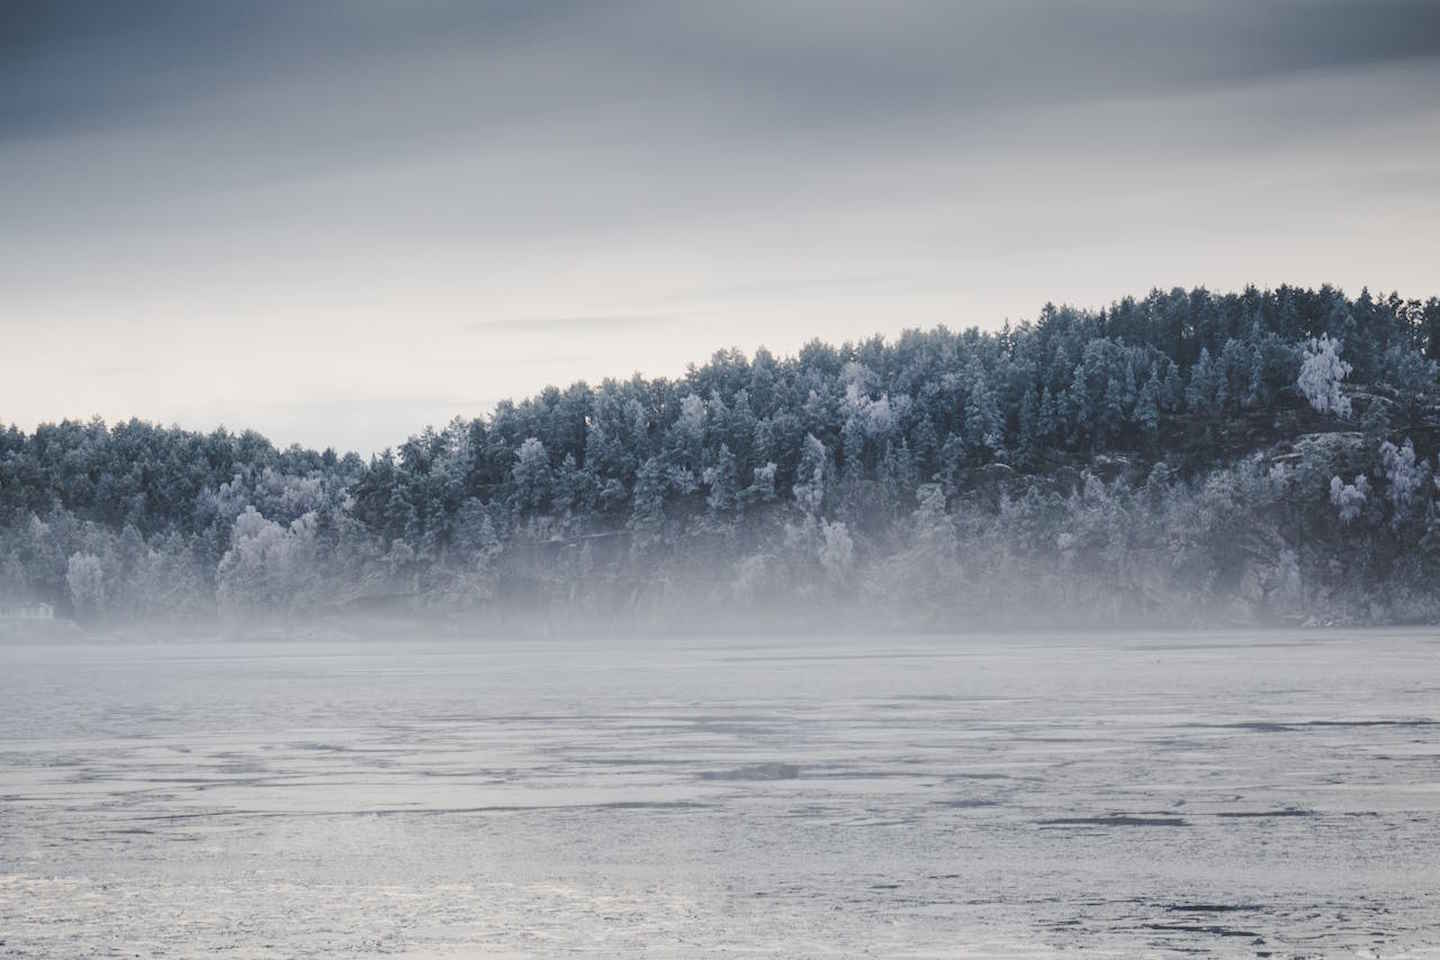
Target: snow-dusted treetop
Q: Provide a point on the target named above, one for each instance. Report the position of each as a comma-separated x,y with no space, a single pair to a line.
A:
1320,376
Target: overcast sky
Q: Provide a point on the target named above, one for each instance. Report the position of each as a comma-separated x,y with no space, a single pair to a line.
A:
337,222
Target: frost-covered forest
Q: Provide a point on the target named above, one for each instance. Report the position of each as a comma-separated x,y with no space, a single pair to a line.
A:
1184,458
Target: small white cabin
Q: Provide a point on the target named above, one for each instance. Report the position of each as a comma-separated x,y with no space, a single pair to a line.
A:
29,610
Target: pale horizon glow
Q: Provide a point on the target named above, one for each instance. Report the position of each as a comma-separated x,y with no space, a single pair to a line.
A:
341,225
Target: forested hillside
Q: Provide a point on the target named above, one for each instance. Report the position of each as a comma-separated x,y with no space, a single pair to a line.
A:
1185,458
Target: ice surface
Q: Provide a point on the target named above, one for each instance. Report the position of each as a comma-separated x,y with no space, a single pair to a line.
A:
1136,794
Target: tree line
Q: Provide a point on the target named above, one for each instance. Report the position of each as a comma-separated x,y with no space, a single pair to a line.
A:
1183,457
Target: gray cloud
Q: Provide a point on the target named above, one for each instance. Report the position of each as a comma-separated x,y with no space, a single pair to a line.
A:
256,197
576,323
792,66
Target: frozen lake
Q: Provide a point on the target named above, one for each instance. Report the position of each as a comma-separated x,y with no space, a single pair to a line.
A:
1273,794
